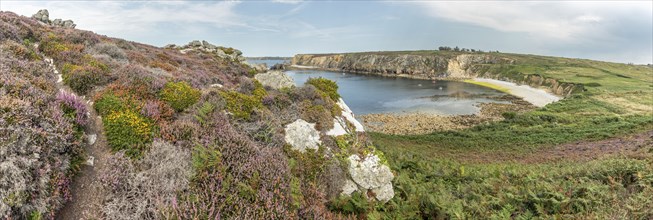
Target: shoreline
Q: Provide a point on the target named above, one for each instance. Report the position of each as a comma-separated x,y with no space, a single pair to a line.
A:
536,96
415,123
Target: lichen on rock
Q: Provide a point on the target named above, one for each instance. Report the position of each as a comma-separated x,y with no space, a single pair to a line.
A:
369,174
275,79
302,135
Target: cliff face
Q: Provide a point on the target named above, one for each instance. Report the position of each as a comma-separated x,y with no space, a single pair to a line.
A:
429,66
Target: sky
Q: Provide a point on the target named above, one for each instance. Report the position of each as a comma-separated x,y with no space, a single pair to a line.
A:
615,31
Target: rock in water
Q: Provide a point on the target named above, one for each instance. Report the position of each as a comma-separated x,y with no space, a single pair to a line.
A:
42,15
275,79
302,135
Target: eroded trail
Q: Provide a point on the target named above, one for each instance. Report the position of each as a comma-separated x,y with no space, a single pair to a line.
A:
86,189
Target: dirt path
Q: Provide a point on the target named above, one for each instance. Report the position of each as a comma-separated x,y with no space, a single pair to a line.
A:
87,191
636,145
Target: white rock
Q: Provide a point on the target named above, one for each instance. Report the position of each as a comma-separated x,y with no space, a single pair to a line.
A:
384,193
349,188
216,85
302,135
92,138
368,173
349,115
275,79
90,161
338,127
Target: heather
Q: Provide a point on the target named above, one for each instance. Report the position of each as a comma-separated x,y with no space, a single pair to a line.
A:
191,135
40,136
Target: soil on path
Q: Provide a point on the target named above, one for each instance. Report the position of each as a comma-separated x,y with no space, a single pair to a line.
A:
87,190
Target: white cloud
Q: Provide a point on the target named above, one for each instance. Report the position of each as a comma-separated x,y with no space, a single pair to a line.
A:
111,17
558,20
293,2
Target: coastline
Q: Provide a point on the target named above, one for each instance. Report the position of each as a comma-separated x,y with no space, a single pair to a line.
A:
425,123
536,96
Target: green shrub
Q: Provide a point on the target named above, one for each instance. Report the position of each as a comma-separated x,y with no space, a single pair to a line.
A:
109,103
82,79
129,131
241,105
180,95
330,88
356,204
317,114
509,115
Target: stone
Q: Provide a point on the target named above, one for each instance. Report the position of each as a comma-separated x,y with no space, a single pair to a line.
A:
275,79
42,15
368,173
349,116
195,43
90,161
261,67
349,188
216,85
208,45
384,193
92,138
278,66
302,135
338,127
57,22
68,24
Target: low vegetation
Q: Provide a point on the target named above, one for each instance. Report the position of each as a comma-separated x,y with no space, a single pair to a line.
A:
184,148
438,179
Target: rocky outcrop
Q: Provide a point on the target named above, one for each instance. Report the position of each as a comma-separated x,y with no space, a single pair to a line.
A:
65,23
44,16
222,52
260,68
346,122
278,66
275,79
302,135
369,174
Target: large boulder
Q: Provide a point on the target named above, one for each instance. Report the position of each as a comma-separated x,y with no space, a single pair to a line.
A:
369,174
275,79
42,15
302,135
68,24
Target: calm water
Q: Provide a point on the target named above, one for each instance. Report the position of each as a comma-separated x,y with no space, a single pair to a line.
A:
366,94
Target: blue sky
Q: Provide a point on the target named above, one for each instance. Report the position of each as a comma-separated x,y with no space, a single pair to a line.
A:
612,31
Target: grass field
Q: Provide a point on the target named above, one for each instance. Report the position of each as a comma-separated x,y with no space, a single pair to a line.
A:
435,180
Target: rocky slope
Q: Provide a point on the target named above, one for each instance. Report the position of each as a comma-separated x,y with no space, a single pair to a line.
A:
434,64
187,132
